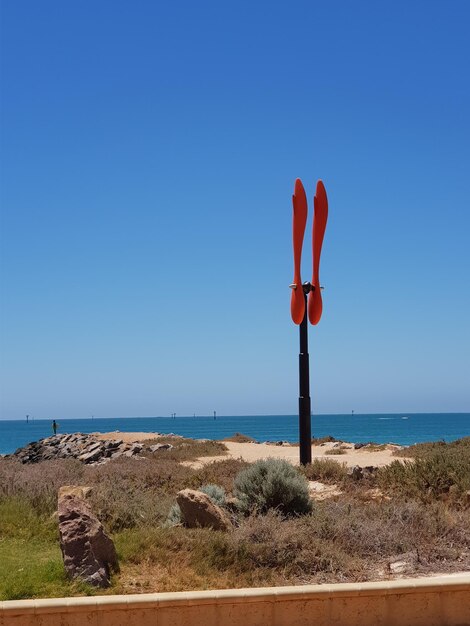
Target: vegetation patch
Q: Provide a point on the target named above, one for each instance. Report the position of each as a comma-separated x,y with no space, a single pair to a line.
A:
240,438
185,449
278,538
325,470
336,451
272,484
430,449
318,441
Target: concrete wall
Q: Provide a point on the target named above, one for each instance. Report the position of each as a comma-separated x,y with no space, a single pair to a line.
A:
439,601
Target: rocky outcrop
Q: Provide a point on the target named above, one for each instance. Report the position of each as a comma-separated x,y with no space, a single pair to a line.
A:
358,473
198,510
88,449
87,551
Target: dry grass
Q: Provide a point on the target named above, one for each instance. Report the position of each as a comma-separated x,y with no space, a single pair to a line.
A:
220,473
339,541
318,441
325,470
38,483
335,451
375,447
185,449
430,449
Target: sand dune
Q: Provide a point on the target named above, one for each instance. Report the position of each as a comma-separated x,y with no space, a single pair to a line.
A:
254,451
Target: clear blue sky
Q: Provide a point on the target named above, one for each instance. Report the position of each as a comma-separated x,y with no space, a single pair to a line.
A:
149,151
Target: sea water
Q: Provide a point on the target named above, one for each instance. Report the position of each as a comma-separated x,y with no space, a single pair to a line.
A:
401,428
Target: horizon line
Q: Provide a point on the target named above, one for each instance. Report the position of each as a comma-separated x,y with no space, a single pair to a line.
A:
91,418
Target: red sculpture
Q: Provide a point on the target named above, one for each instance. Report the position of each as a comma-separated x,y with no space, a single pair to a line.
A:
298,303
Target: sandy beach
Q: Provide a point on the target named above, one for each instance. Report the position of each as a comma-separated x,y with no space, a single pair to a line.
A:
251,452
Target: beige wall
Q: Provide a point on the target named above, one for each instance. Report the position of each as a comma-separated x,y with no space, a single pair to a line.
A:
439,601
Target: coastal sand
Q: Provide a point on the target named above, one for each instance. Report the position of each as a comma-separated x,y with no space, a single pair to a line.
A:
254,451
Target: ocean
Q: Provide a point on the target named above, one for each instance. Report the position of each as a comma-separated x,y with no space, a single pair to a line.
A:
401,428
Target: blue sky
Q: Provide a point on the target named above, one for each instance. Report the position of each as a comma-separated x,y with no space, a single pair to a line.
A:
149,152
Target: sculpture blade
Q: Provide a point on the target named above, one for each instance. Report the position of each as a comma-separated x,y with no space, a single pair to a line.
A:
320,217
299,202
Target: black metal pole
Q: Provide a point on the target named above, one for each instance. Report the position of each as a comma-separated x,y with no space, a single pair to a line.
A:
305,427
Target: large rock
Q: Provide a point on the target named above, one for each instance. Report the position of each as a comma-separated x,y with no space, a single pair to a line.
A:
88,553
197,509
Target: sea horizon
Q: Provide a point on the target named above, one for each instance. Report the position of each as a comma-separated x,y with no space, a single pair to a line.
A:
400,428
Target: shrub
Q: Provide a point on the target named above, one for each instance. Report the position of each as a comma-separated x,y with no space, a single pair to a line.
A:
215,493
272,484
335,451
429,449
326,470
240,438
221,473
189,450
441,472
275,543
317,441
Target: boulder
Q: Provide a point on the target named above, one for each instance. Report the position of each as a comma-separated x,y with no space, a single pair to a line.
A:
88,553
197,509
160,446
403,564
355,472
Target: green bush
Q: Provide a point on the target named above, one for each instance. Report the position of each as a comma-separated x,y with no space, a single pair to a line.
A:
215,493
272,484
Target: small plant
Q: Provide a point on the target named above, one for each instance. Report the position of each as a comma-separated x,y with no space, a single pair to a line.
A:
174,516
335,451
215,493
272,484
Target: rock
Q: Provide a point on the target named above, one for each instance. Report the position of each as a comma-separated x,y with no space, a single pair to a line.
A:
160,446
406,563
358,446
71,491
88,553
86,448
135,448
89,457
197,509
355,472
369,471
